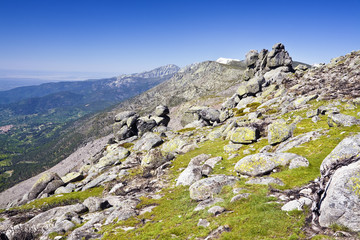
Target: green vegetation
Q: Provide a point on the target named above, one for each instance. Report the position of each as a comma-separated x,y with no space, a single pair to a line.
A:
61,200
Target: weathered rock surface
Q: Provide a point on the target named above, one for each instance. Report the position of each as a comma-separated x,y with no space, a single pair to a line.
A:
347,151
341,199
279,131
262,163
148,141
206,188
265,181
153,159
244,135
339,119
193,172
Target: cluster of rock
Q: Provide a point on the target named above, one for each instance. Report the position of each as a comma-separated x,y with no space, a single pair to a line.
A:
129,124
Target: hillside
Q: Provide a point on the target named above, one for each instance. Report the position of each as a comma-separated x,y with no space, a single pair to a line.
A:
261,150
36,118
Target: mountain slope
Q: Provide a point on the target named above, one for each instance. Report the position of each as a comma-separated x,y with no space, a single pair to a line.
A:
282,163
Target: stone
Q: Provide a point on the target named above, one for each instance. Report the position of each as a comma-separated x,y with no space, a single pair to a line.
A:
123,133
265,181
206,170
103,178
41,184
244,102
231,102
278,57
208,187
232,147
262,163
303,100
161,121
251,58
96,204
55,213
203,223
207,203
244,135
215,134
161,111
145,124
127,210
113,154
62,190
340,204
312,113
298,162
174,145
148,141
279,131
72,177
124,115
193,172
345,152
52,186
276,76
239,197
210,114
342,120
225,114
251,87
153,159
216,210
292,205
213,161
297,141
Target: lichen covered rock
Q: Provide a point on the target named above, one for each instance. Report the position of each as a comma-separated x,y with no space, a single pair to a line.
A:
244,135
279,131
261,163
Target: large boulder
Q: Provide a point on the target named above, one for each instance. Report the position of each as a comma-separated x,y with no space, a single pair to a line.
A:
278,57
244,135
148,141
251,58
210,114
231,102
347,151
262,163
96,204
153,159
341,199
124,115
145,124
41,184
113,155
193,172
279,131
174,145
72,177
122,132
251,87
207,187
161,111
338,119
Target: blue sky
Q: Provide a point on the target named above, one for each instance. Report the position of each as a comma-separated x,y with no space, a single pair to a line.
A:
132,36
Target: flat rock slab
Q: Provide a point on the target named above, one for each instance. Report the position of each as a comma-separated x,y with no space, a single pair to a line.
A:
338,119
261,163
279,131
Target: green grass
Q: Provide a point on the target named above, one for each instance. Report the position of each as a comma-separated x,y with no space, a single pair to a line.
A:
60,200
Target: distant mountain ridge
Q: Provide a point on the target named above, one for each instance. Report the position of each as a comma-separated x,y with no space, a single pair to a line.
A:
144,80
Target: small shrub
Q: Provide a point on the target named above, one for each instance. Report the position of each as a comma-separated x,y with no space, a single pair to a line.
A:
186,130
127,145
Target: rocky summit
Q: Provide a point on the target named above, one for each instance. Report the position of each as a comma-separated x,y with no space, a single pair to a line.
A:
264,148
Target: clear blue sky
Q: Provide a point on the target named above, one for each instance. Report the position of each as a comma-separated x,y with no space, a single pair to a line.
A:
132,36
